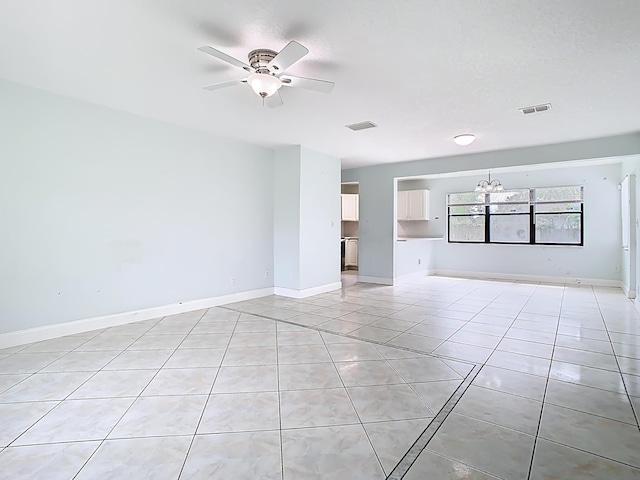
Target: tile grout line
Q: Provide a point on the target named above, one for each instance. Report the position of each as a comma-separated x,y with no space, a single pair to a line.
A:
76,389
399,348
346,390
279,405
615,356
345,335
423,440
442,414
59,402
411,456
204,408
291,322
546,388
612,460
420,444
136,397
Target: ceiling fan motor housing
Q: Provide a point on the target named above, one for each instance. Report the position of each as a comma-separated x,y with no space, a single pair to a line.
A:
260,58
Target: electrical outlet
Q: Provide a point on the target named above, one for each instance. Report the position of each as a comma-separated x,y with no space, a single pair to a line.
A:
233,280
266,274
617,268
419,261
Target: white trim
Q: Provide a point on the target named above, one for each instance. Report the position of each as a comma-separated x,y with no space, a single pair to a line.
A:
47,332
414,275
530,278
526,168
629,293
308,292
378,280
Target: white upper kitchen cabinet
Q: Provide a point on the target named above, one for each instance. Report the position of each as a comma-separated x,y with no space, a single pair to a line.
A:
349,207
413,205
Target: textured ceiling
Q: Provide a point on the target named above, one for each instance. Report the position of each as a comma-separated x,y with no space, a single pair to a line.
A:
422,70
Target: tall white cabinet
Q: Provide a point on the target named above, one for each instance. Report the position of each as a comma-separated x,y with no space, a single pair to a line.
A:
413,205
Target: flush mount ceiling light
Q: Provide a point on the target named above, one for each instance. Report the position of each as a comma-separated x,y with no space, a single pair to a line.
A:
464,139
264,84
489,186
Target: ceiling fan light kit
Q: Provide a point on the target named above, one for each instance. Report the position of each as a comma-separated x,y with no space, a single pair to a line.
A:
267,69
264,84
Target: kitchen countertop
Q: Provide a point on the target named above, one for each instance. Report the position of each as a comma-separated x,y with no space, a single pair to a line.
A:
412,239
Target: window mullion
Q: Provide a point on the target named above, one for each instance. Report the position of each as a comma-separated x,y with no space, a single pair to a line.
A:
532,225
487,224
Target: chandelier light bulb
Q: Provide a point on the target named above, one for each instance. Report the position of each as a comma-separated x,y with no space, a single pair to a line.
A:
489,186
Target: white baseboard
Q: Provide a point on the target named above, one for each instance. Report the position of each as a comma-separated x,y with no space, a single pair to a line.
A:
47,332
378,280
530,278
629,293
407,277
309,292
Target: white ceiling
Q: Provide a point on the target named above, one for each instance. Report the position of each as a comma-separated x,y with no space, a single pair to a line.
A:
423,70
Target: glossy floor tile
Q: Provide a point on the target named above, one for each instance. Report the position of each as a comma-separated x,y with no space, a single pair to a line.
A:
340,452
431,465
444,378
500,451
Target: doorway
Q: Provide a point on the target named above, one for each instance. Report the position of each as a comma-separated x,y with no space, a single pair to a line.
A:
349,227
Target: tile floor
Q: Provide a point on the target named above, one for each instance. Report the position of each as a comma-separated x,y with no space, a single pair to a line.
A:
437,377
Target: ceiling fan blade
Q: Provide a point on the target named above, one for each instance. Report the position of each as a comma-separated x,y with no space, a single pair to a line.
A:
274,100
290,54
314,84
230,83
225,58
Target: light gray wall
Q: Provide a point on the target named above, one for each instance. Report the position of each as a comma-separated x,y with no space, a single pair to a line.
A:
376,225
106,212
600,257
307,219
287,217
377,193
409,252
629,265
320,219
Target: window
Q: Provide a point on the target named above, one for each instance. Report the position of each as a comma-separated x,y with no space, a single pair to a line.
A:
531,216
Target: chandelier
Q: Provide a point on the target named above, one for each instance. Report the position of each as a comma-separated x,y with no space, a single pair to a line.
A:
488,186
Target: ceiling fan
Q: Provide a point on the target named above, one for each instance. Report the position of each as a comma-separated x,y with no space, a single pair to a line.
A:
267,69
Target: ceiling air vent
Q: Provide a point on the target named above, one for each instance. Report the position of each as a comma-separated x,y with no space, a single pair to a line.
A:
361,126
536,109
